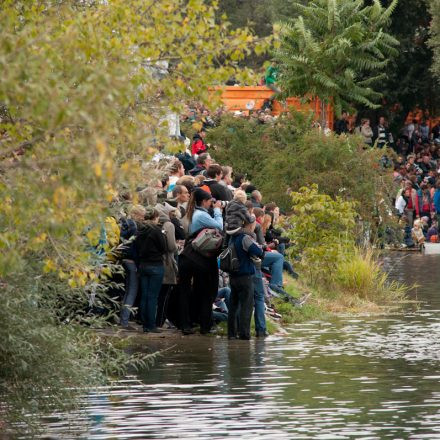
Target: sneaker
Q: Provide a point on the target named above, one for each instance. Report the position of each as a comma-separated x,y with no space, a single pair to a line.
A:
168,324
188,331
152,330
262,334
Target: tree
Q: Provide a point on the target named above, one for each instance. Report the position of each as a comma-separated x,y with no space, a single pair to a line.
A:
84,89
409,82
336,50
434,40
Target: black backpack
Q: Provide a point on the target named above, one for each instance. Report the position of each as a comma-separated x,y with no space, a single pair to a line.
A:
228,259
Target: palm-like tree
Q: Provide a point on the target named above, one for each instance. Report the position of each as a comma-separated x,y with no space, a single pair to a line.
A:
336,50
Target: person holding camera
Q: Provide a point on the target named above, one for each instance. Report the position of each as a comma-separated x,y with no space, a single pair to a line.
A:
198,274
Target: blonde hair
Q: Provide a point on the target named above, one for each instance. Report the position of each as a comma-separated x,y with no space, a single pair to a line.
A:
198,180
137,213
240,196
185,179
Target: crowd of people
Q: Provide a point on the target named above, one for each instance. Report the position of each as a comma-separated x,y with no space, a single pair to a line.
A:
201,246
416,172
182,232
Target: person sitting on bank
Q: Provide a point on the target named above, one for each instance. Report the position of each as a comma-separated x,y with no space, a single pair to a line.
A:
417,233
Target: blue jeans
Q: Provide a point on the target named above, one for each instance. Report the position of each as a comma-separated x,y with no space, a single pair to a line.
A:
151,281
259,317
224,292
131,289
274,261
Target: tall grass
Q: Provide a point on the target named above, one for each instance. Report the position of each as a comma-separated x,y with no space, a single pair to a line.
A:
362,275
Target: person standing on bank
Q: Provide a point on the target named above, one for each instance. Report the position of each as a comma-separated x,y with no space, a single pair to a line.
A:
198,274
151,247
242,283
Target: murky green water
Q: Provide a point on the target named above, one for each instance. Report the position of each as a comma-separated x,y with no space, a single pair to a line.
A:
363,378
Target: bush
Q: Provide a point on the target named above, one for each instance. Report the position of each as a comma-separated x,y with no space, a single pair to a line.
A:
290,154
322,230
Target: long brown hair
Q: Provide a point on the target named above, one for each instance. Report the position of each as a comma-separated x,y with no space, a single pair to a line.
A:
191,207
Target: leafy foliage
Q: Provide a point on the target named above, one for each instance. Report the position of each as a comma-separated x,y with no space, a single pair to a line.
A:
322,229
84,91
336,50
434,40
290,154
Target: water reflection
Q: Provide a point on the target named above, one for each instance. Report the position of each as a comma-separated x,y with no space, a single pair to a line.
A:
368,378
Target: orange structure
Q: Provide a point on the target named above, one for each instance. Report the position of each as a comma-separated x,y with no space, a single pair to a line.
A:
420,115
250,98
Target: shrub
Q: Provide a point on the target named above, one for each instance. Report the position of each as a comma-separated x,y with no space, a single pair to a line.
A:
290,154
322,229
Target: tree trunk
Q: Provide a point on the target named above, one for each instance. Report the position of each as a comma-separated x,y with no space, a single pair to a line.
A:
323,116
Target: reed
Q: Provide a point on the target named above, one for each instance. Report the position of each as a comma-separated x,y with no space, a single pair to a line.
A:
361,274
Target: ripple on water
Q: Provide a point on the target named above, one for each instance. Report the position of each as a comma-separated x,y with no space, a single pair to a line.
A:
362,378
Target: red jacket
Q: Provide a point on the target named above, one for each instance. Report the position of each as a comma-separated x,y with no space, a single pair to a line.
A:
198,146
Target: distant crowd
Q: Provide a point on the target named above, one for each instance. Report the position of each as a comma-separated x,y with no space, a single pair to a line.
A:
416,173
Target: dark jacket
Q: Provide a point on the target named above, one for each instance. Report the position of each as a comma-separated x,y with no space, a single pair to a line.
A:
236,216
187,160
218,191
128,229
198,169
150,245
246,247
341,126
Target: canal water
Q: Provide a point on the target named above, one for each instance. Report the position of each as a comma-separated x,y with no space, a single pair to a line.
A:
354,377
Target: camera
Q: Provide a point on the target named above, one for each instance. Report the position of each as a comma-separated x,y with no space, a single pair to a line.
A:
223,203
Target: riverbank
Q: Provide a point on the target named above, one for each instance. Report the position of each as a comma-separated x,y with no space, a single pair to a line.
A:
321,304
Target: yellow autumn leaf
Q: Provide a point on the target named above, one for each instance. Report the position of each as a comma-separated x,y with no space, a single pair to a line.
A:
100,146
97,169
49,265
